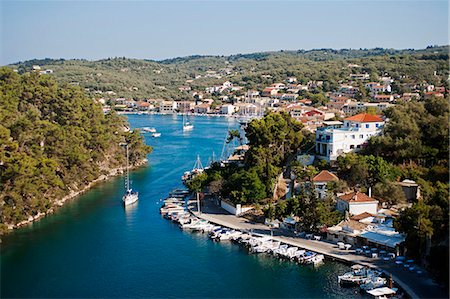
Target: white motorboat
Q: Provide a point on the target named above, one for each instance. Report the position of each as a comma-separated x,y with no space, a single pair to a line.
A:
149,130
200,225
308,255
373,283
358,275
184,219
256,241
171,208
281,250
215,234
227,235
259,249
298,253
210,228
316,259
174,200
272,245
179,193
290,252
156,135
192,221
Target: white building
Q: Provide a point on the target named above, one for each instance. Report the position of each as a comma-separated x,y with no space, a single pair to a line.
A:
357,203
168,107
202,108
246,109
352,107
332,142
227,109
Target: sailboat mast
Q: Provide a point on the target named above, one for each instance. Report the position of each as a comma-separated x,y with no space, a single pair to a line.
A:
128,172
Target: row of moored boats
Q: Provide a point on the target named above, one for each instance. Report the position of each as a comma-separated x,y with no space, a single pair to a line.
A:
174,208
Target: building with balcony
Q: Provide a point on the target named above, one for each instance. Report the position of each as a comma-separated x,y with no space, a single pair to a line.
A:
333,141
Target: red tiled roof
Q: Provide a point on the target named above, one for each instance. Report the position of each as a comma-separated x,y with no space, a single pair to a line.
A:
356,197
361,216
364,118
143,104
325,176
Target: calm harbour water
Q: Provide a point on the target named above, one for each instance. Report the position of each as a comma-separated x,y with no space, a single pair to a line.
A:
93,247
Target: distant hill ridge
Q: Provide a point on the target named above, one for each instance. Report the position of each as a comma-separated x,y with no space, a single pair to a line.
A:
145,78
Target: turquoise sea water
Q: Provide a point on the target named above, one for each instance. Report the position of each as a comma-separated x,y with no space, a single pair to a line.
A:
93,247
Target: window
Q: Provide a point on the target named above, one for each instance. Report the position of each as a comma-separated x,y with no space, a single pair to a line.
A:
358,146
367,126
352,146
377,125
353,136
357,125
361,136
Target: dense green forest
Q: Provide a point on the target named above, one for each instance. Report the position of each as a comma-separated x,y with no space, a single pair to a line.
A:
273,141
53,140
134,78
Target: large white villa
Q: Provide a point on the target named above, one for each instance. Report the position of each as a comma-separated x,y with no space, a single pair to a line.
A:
350,136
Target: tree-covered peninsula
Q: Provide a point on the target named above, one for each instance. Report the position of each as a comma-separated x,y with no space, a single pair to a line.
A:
54,142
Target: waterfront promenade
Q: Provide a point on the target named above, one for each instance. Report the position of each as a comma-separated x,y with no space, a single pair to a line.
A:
417,286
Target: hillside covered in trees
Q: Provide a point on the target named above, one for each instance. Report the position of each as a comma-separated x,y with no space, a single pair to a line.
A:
54,141
135,78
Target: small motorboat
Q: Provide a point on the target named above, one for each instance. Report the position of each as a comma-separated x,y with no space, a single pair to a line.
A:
149,130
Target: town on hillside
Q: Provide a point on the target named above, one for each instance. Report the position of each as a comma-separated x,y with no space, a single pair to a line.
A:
228,99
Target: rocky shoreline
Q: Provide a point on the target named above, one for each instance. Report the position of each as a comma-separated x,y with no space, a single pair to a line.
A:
59,203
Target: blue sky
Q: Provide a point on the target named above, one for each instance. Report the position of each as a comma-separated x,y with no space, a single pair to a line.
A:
158,30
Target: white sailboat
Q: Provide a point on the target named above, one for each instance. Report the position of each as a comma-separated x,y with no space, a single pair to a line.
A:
187,126
130,196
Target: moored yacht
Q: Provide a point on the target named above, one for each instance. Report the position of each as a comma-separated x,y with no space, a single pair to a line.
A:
130,196
187,126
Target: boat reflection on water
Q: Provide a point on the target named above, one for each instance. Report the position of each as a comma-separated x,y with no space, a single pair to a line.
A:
130,212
